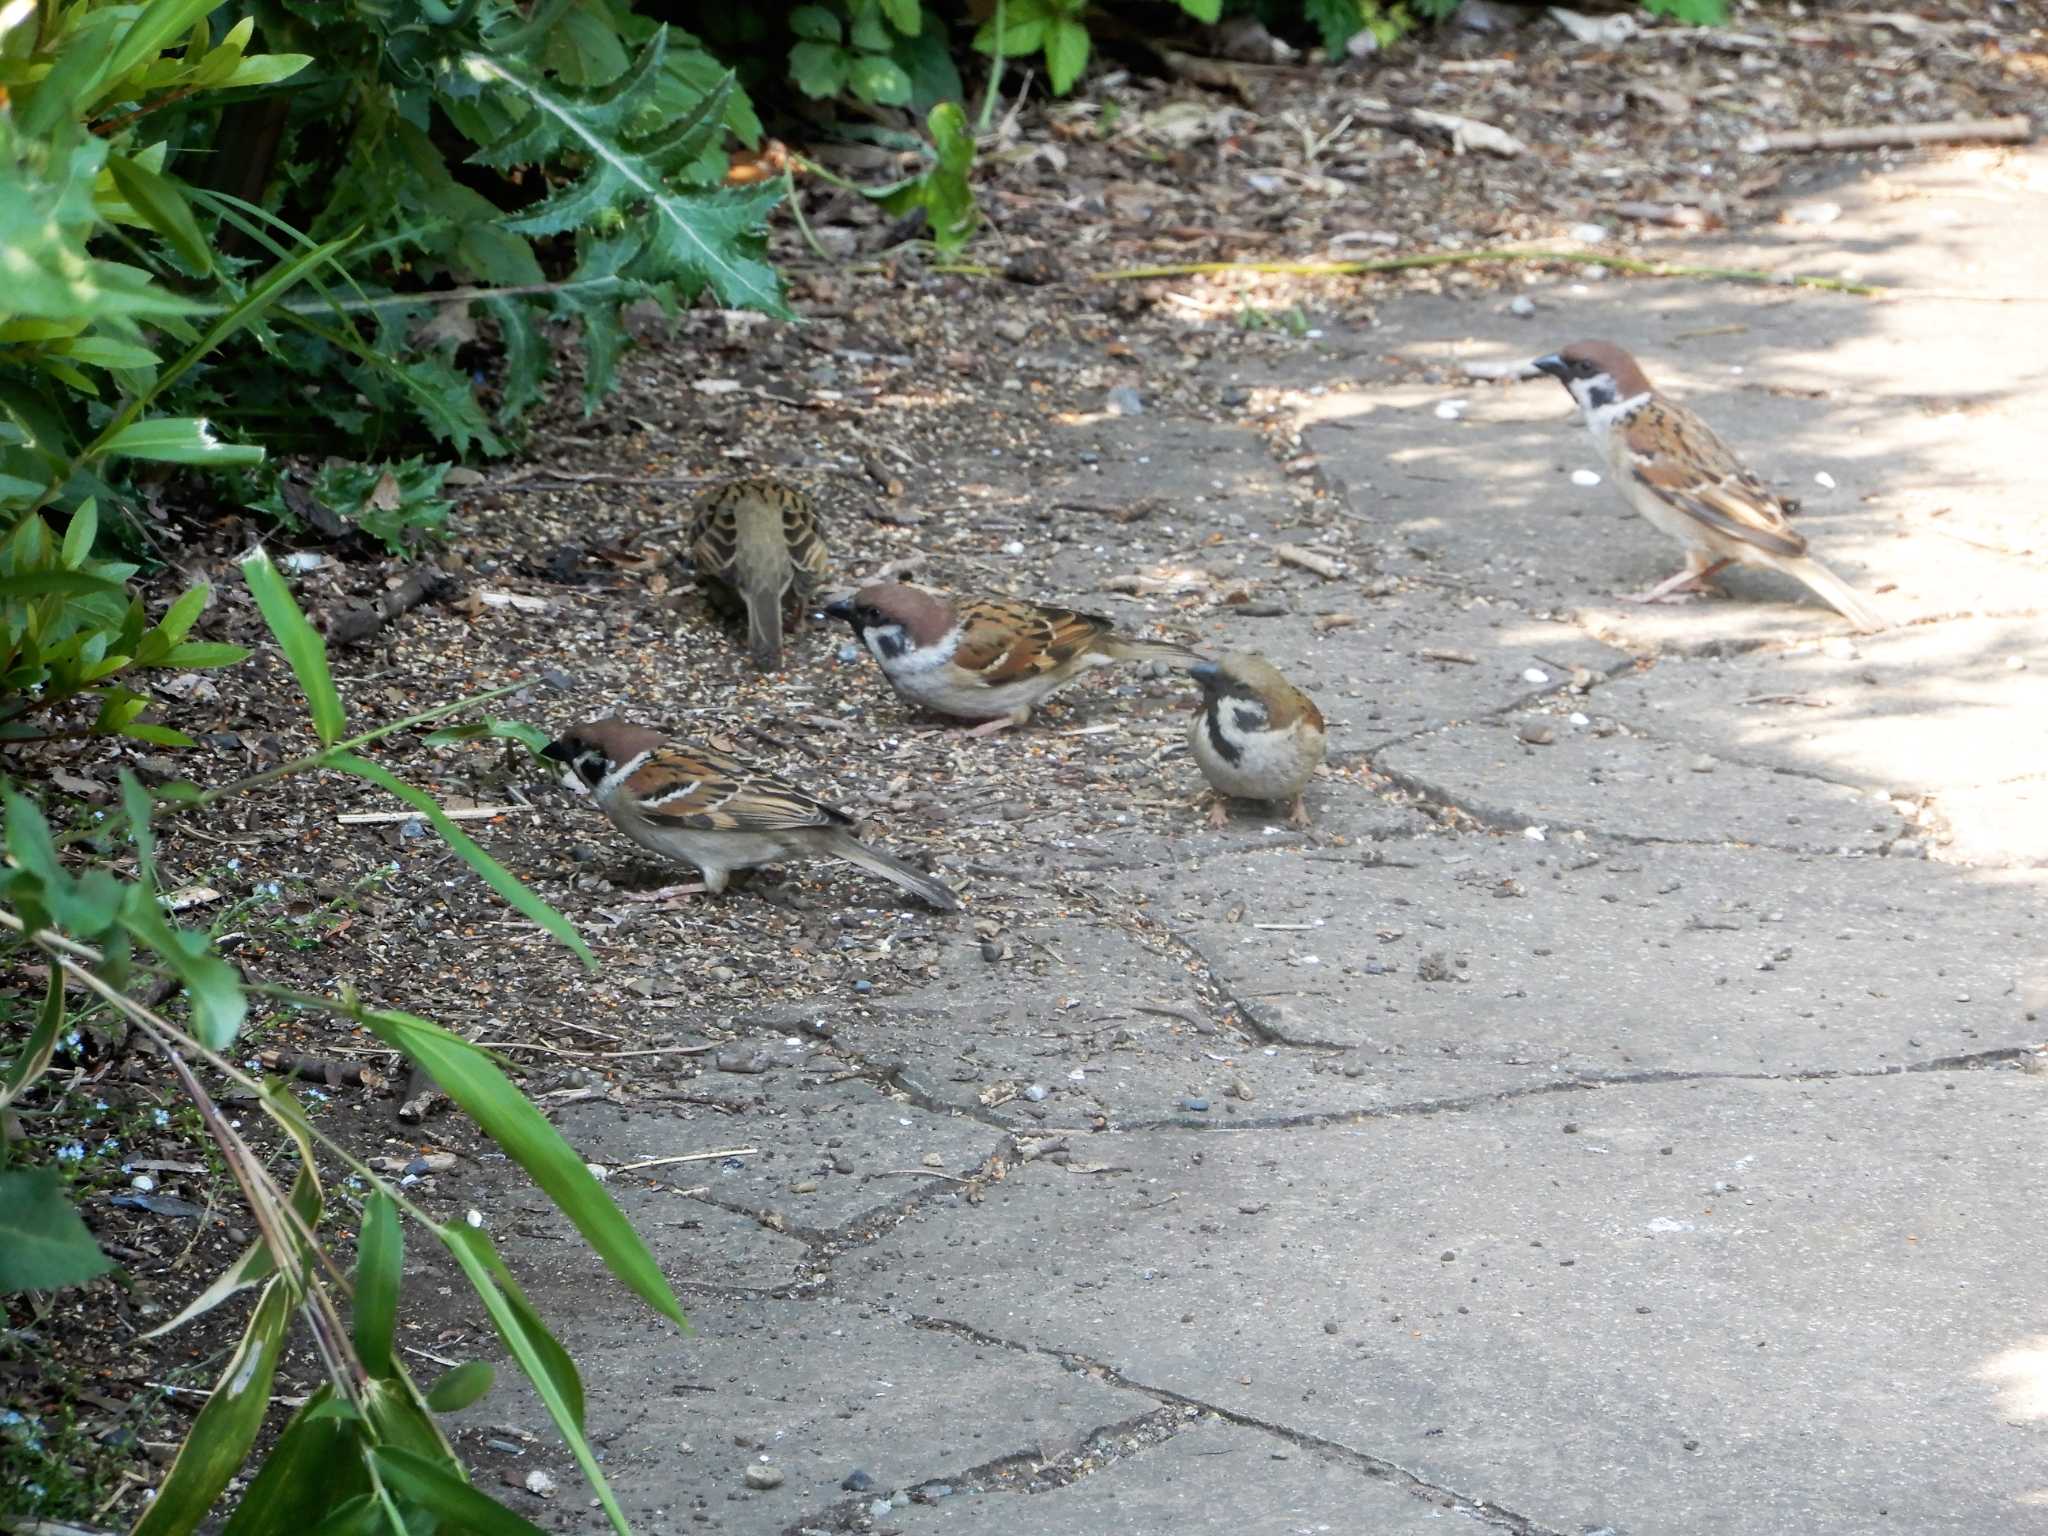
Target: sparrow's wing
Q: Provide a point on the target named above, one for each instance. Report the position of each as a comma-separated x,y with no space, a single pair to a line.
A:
1679,458
805,538
708,791
715,533
1005,640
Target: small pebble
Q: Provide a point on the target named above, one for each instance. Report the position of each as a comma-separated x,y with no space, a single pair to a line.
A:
1591,234
1234,396
539,1484
880,1507
1521,304
849,652
1126,401
1451,410
863,987
2015,663
1535,675
1199,1106
1701,764
804,1187
1824,480
1536,735
857,1481
991,950
762,1475
1584,477
1037,1093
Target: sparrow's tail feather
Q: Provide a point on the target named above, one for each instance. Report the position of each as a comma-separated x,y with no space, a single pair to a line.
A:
889,867
764,626
1123,648
1837,593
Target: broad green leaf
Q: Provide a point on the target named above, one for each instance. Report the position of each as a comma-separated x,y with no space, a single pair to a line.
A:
815,23
906,16
495,875
200,654
179,618
472,1080
214,991
163,207
380,1257
267,69
78,537
36,1051
37,583
1208,12
315,1468
528,736
819,69
43,1244
156,735
136,802
179,440
300,642
29,842
876,77
440,1491
458,1388
219,1440
1066,54
153,29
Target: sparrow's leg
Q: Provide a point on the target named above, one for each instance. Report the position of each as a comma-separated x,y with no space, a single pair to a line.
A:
1219,812
1698,574
666,893
1297,813
990,727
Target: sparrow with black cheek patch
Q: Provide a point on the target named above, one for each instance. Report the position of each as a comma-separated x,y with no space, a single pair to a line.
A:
756,543
1680,476
992,659
713,811
1256,736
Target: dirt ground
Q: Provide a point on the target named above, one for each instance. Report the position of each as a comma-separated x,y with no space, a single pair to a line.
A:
943,420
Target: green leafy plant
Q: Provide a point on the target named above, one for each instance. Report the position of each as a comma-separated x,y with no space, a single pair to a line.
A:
1056,29
395,502
942,189
364,1453
71,632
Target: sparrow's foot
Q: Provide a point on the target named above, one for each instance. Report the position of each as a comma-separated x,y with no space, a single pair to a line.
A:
666,893
1693,581
1297,813
990,727
1219,813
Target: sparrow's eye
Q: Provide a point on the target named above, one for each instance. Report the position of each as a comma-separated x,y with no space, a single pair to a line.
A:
1583,368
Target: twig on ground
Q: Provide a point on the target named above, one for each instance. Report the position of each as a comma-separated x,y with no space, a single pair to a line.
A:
2017,129
381,818
1480,258
353,626
684,1157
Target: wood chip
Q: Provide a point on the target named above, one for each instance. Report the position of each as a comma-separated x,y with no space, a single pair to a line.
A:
1462,658
383,818
1326,566
2017,129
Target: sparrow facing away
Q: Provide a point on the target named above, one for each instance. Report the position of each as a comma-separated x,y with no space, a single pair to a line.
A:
992,659
712,810
755,543
1256,736
1679,475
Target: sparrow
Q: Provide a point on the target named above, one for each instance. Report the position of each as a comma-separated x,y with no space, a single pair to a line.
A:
1256,736
992,659
1679,475
756,542
711,810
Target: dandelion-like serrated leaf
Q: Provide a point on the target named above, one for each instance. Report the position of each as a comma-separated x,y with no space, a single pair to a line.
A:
693,239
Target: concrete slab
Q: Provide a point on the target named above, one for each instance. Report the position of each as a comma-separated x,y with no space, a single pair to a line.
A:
1740,1307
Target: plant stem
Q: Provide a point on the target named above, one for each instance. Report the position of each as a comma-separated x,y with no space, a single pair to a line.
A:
995,77
1485,257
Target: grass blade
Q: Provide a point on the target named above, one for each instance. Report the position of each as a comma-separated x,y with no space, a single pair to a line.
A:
380,1256
300,642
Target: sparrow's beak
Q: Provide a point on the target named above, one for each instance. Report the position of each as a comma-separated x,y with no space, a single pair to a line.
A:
840,608
557,752
1207,673
1551,364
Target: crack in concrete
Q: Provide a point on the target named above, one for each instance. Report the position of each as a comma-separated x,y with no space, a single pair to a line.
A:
1364,1462
1416,1109
1025,1473
1227,1003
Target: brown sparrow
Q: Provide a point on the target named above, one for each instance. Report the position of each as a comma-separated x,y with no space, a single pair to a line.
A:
1256,736
1679,475
992,659
713,811
756,542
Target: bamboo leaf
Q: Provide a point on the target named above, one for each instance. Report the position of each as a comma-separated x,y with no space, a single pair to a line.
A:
495,875
300,642
458,1388
443,1493
219,1440
315,1468
380,1257
163,207
178,440
41,1044
472,1080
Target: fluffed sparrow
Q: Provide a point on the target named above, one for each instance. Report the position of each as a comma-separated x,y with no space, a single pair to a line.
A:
1256,736
713,811
1679,475
756,542
992,659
